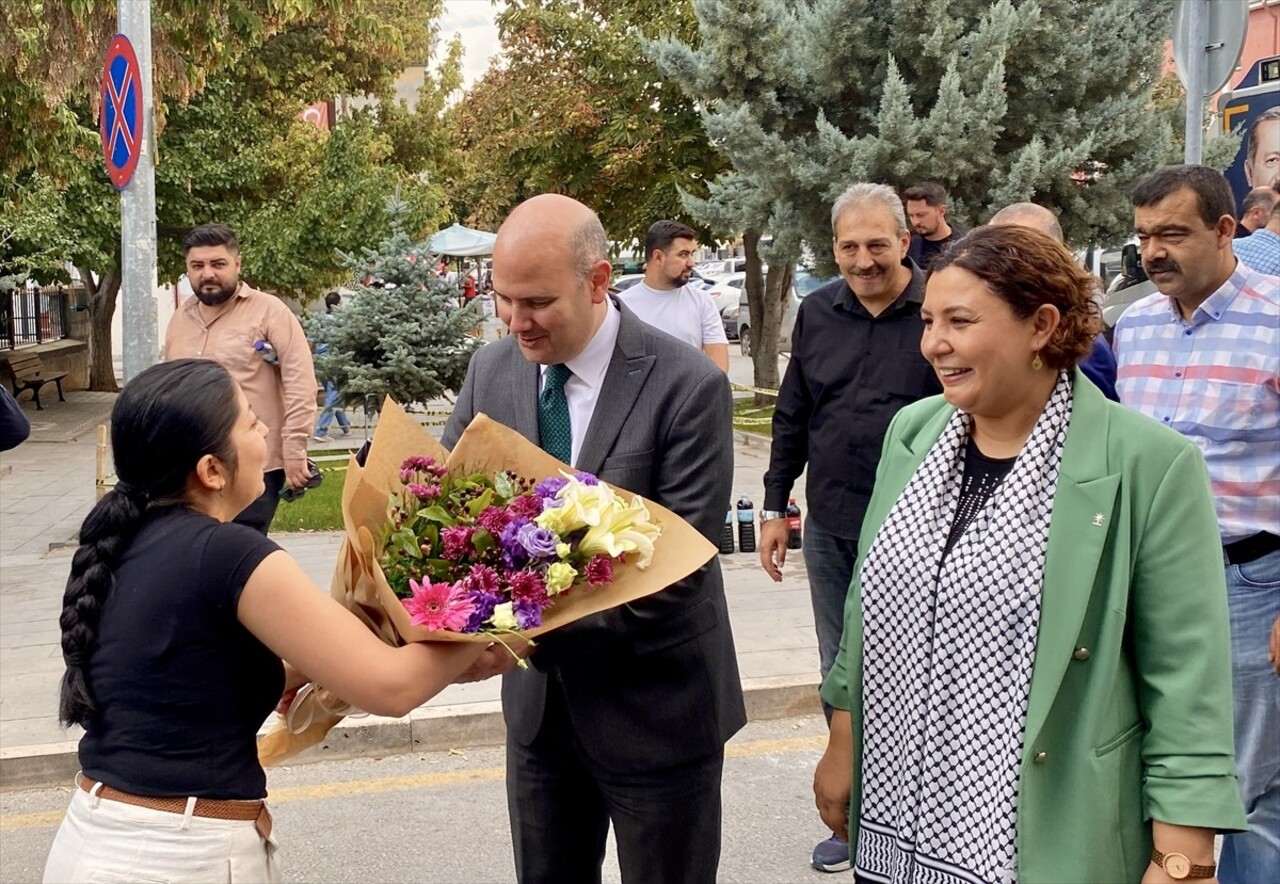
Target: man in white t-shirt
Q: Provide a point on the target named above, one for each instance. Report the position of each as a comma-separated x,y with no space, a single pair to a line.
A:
665,299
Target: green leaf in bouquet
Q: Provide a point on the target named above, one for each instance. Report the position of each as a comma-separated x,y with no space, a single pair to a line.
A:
481,503
483,541
408,542
437,514
506,487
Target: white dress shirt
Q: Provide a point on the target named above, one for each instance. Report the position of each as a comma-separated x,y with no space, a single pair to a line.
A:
582,389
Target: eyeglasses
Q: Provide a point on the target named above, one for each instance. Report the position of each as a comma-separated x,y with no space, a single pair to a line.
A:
289,493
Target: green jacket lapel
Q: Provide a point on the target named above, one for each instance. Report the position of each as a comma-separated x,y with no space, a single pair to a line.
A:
1078,532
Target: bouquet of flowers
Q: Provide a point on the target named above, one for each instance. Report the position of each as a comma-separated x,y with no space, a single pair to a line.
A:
489,554
495,538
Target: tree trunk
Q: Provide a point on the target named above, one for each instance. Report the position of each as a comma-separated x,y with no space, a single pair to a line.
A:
766,297
102,307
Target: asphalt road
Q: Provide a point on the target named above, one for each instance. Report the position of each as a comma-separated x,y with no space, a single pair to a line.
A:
442,817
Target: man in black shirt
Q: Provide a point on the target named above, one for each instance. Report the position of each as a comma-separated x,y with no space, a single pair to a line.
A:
855,360
927,210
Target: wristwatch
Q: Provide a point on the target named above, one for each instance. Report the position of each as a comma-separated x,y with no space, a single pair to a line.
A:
1179,868
770,515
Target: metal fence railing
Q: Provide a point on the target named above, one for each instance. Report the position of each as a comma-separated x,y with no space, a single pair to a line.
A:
34,316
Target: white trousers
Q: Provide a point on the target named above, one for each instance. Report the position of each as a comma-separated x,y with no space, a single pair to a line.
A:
107,841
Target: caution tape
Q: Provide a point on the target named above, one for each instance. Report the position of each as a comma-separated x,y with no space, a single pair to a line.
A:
753,421
761,390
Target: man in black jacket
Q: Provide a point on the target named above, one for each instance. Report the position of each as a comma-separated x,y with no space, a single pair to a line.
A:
855,360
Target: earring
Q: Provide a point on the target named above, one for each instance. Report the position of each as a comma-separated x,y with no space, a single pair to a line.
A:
1036,362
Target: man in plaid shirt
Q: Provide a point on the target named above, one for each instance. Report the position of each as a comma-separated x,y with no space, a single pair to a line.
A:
1261,249
1202,355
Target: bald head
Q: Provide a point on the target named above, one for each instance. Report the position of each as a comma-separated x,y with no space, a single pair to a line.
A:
553,221
551,277
1029,215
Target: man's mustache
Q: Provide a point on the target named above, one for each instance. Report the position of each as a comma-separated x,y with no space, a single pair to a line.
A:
1162,266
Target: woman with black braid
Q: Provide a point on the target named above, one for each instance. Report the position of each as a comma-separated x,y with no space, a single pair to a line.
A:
175,623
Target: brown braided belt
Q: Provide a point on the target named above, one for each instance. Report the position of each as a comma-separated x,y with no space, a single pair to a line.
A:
209,808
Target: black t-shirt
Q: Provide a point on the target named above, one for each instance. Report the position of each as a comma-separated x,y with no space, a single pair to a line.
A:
982,476
923,251
180,685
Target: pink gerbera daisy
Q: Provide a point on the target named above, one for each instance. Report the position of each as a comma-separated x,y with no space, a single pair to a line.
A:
438,605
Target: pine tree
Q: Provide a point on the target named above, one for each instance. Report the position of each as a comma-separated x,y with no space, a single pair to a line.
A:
1040,100
402,333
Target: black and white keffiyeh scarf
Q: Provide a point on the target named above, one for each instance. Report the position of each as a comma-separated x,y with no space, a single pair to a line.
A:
948,647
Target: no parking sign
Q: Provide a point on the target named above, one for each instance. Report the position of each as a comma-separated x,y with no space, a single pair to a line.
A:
120,122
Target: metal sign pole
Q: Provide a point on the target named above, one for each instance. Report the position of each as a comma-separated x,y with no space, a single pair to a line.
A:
1194,132
138,211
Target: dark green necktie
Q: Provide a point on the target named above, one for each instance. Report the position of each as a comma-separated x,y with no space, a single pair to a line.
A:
553,414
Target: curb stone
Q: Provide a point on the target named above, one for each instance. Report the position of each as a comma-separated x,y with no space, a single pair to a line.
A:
426,729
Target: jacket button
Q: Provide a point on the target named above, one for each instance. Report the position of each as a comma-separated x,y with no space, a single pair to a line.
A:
1082,654
1040,757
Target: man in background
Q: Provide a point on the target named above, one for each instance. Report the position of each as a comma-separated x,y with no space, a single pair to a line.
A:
927,211
259,341
665,299
1255,210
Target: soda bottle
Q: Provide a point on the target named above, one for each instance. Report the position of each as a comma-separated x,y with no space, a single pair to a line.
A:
726,534
267,352
793,525
746,525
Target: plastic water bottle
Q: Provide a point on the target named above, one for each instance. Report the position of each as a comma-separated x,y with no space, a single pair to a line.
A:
267,352
726,535
793,525
746,525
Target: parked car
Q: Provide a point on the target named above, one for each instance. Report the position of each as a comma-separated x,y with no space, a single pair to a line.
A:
626,281
738,326
728,290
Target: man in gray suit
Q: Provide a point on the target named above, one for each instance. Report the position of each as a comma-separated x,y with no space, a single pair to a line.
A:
621,717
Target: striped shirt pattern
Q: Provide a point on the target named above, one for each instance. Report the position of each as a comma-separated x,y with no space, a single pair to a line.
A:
1216,380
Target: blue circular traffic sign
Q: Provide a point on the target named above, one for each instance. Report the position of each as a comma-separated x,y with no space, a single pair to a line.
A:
120,121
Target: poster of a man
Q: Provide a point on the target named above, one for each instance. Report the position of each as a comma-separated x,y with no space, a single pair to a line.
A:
1262,163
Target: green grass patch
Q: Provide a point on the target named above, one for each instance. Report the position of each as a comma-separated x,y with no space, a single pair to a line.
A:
320,509
753,418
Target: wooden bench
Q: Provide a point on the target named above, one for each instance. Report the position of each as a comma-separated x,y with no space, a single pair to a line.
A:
26,373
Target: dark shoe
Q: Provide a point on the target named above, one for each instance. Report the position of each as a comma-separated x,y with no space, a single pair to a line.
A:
831,855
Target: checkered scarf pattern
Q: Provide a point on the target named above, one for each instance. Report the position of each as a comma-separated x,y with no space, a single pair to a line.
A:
948,648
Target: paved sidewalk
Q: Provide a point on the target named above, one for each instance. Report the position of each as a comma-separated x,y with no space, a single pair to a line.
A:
47,486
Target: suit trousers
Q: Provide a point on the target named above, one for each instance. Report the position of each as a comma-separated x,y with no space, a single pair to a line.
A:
666,822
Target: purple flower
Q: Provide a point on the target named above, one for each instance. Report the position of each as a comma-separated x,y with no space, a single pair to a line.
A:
528,613
494,519
457,541
547,489
586,478
422,464
599,570
424,493
540,543
484,603
528,586
526,506
514,554
482,579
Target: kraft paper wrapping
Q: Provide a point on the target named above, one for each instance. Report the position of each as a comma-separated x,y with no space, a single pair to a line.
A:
486,446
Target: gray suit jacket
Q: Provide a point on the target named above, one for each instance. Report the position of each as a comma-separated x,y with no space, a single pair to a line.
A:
655,682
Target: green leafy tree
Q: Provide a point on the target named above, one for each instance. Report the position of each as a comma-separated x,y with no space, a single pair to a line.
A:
1042,100
231,77
574,106
405,336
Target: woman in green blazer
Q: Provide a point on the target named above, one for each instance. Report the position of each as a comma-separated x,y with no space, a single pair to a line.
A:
1035,671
